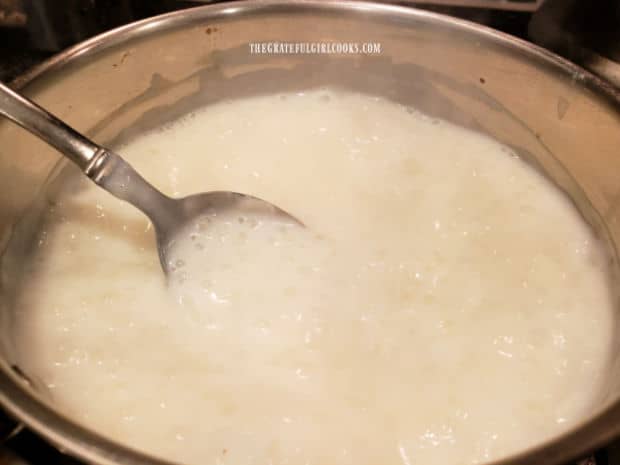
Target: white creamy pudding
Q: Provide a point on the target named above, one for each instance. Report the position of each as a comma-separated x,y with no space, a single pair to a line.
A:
445,304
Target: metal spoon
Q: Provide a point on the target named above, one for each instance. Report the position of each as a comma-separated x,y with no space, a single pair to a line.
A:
169,216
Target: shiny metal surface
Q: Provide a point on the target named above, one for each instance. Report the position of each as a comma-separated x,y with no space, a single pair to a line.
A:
512,5
108,170
563,120
30,116
171,216
531,5
602,66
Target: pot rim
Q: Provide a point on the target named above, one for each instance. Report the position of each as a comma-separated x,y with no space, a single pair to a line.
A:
92,447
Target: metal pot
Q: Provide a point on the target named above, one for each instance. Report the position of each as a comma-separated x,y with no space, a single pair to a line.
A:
557,116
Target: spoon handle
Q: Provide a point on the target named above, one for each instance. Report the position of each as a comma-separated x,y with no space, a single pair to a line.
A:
104,167
43,124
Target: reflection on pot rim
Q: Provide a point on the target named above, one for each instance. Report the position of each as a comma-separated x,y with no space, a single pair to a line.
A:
149,39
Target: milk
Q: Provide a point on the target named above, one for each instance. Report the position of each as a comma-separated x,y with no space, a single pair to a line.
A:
443,303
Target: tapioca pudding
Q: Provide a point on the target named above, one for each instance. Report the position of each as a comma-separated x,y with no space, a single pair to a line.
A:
437,308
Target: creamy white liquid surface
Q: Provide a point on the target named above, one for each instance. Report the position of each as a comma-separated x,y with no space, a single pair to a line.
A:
445,304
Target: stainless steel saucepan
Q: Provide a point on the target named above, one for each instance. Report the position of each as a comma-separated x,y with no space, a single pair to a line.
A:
555,115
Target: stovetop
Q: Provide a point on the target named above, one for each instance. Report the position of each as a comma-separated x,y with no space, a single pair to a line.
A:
33,30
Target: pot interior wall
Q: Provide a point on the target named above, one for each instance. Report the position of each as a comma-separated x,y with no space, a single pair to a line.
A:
554,119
